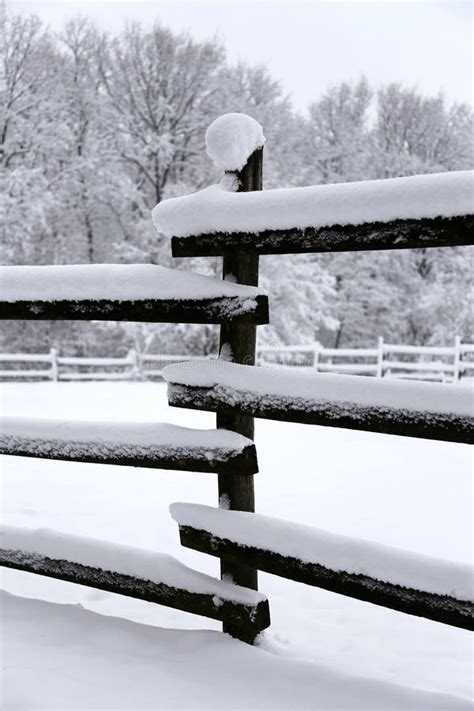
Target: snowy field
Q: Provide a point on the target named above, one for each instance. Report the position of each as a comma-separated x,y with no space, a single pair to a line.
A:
321,649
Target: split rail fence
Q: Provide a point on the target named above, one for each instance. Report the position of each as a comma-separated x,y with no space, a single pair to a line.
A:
237,391
439,363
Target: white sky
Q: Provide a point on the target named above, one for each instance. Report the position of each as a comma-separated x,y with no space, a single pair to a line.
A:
308,45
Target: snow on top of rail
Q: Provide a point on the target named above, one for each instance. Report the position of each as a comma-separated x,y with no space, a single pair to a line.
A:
170,438
112,282
159,568
231,139
220,209
333,551
270,384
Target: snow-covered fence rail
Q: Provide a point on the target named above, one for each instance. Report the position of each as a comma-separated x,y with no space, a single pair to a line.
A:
129,571
412,409
144,444
445,364
125,292
151,365
416,584
398,213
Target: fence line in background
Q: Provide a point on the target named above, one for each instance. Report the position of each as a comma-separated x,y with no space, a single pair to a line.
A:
133,366
441,363
386,360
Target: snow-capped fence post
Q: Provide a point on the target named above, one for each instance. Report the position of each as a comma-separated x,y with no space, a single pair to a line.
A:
379,373
235,143
457,359
54,364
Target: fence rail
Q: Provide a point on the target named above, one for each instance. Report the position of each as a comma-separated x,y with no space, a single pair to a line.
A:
384,361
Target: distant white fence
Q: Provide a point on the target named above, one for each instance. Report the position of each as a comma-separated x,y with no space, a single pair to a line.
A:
440,363
51,366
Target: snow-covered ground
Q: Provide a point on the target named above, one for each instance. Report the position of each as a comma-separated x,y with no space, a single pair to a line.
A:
321,648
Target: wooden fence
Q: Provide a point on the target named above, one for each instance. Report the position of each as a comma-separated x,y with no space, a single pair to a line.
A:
439,363
52,366
237,391
389,360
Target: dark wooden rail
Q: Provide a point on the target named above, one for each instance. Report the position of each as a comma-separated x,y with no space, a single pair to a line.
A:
218,310
251,618
397,234
72,446
349,415
440,608
125,292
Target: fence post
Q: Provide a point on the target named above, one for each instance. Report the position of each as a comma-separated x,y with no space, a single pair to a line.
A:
238,344
54,364
132,355
316,353
457,359
379,373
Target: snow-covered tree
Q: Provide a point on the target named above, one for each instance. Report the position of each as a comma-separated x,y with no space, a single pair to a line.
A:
95,129
301,294
26,128
339,131
159,85
400,294
417,134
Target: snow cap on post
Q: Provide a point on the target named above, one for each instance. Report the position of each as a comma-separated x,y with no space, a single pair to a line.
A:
231,139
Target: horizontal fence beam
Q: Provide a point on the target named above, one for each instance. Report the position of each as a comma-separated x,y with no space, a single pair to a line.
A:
252,618
440,608
145,444
420,367
155,358
244,463
125,375
348,415
419,350
348,352
94,362
217,310
26,373
26,357
397,234
366,368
